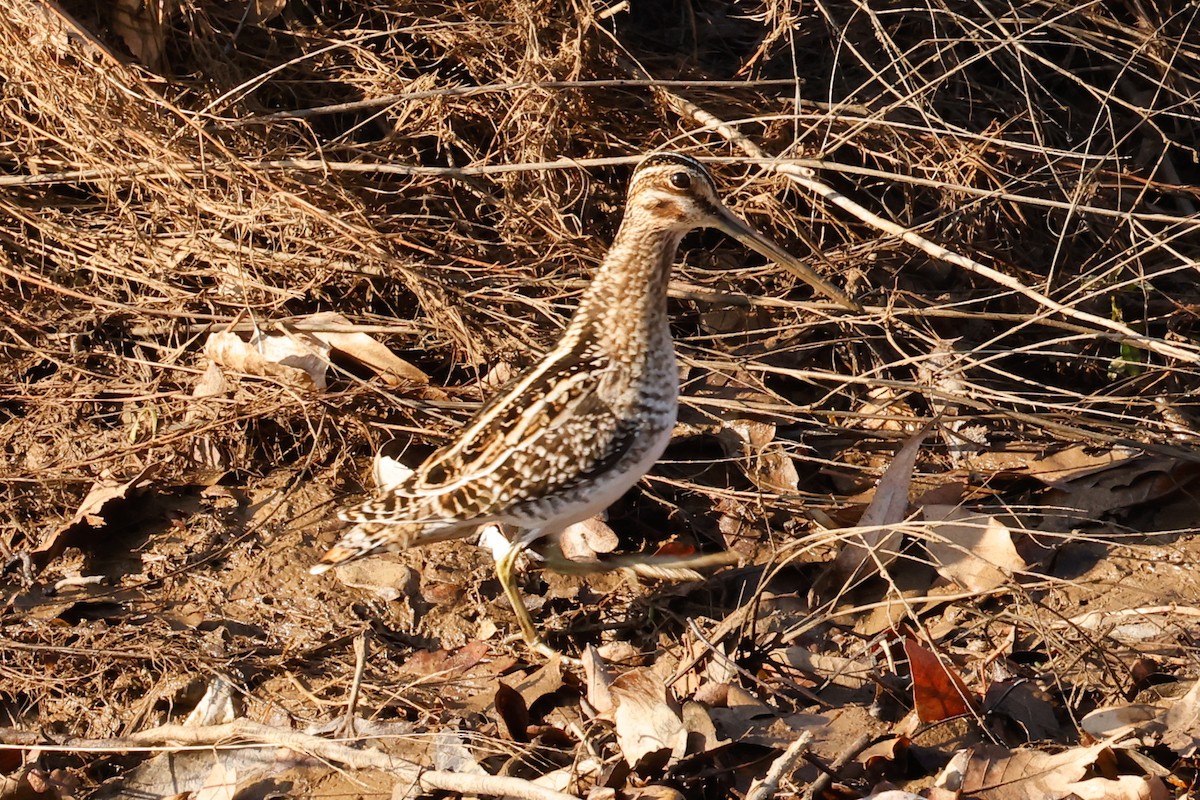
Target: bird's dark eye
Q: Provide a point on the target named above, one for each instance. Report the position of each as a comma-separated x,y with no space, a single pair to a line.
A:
681,180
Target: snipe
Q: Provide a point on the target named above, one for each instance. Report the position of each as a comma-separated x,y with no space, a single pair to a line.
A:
565,439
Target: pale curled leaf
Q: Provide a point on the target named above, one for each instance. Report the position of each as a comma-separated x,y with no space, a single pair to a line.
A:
598,679
102,492
385,575
338,333
216,770
992,772
219,704
885,409
92,512
973,550
211,383
1138,625
294,360
583,541
389,472
1118,721
646,717
942,374
890,503
451,754
764,460
1072,463
837,670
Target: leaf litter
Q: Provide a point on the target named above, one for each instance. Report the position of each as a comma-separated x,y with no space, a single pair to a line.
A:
247,248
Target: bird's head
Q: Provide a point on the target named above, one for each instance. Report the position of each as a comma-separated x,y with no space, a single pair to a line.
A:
675,192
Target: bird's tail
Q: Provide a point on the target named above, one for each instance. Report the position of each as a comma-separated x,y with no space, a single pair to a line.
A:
364,539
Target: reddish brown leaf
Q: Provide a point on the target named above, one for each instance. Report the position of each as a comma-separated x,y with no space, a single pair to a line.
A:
938,692
513,712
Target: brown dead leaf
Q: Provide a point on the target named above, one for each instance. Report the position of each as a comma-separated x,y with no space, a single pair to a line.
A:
583,541
141,24
973,550
296,360
1027,707
736,523
1129,483
837,670
338,333
1183,723
992,772
514,714
597,678
938,692
446,663
1063,466
701,730
545,680
764,460
763,725
875,543
647,720
91,513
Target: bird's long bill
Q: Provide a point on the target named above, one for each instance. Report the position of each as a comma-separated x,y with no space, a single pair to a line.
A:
728,223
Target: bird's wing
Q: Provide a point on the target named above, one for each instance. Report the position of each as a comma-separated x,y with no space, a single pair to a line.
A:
551,428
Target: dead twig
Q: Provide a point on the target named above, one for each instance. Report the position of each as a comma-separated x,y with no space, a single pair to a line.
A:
781,768
806,178
243,732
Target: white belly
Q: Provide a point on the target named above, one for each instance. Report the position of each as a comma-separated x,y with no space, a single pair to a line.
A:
616,483
603,489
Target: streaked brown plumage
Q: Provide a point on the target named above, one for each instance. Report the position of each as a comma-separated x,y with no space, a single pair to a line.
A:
569,436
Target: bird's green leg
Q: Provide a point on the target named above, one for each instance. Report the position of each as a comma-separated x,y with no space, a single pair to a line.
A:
506,567
668,568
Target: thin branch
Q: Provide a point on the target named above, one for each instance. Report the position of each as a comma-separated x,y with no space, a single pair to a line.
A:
243,731
806,178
